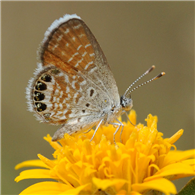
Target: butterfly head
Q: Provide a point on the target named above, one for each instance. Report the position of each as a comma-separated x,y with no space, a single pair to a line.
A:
126,102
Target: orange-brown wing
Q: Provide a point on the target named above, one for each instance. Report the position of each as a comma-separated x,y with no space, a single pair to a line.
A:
70,45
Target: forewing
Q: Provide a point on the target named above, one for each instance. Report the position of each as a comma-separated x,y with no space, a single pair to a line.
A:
70,45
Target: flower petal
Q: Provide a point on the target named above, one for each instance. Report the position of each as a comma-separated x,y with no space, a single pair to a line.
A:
31,163
34,174
47,187
54,145
76,191
175,137
103,184
161,184
171,170
177,156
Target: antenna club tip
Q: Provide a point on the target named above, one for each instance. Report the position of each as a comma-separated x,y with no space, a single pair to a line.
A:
153,66
150,69
158,76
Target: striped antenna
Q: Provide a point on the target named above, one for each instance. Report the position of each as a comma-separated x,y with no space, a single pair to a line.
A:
145,73
146,82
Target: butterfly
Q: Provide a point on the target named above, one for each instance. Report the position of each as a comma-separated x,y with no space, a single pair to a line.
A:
73,85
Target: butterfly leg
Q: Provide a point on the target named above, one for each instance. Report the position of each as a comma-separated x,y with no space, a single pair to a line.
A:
88,131
128,118
119,124
97,128
122,126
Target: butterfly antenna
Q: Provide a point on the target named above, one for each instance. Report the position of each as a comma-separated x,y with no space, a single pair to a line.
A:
145,73
146,82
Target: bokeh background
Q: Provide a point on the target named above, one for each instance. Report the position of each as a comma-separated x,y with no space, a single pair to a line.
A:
133,36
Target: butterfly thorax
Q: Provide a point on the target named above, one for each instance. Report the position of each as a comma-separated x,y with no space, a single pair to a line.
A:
112,113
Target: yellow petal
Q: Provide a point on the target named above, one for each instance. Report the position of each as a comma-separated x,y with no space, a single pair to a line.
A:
55,145
75,191
34,174
173,169
31,163
48,163
175,137
177,156
135,193
189,162
46,188
161,184
103,184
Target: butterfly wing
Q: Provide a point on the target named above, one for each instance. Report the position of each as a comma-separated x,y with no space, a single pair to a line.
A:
69,44
73,84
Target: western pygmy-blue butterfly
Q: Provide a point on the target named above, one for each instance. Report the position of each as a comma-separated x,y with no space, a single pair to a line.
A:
73,85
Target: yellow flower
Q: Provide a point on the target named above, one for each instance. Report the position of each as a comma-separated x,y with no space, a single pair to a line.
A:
143,161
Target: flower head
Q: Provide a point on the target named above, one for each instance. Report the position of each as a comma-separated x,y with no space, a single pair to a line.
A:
143,161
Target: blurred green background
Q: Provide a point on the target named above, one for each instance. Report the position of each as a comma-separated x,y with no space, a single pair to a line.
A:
133,36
